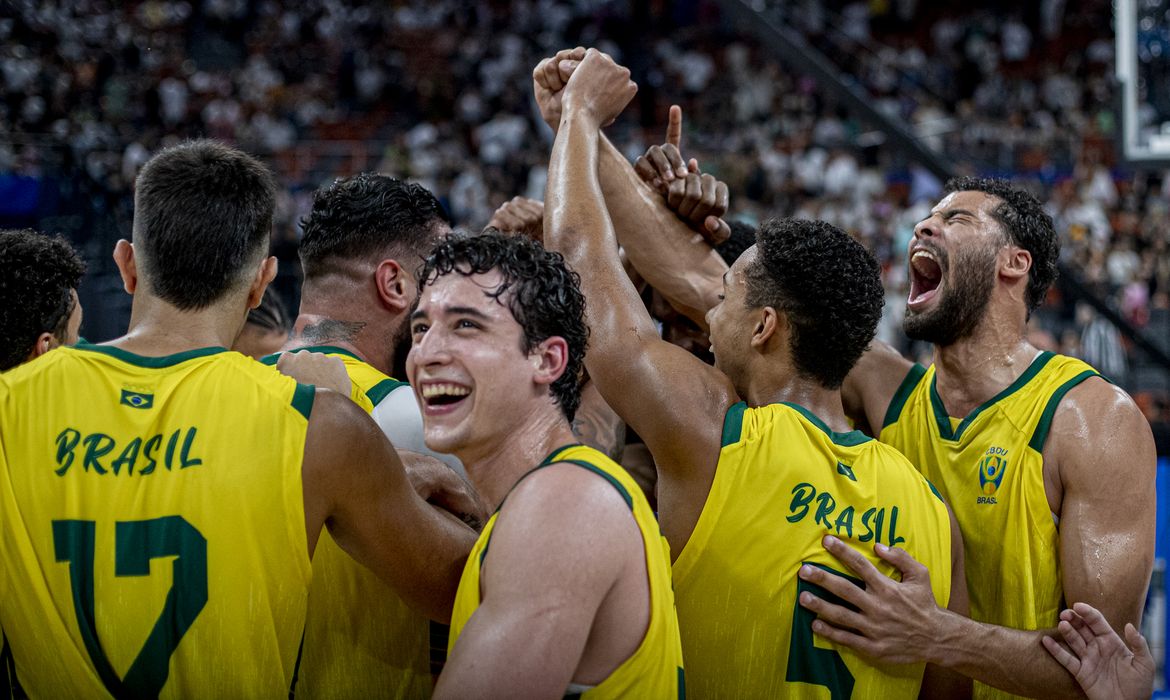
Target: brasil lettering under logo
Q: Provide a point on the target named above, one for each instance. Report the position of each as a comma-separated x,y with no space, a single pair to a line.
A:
991,470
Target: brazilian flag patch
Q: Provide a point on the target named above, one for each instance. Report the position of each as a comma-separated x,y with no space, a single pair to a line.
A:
136,399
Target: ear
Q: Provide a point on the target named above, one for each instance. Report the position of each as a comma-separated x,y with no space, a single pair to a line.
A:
264,276
44,343
394,286
127,267
769,325
549,360
1015,262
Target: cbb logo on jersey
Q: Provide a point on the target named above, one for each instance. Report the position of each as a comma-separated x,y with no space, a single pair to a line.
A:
991,470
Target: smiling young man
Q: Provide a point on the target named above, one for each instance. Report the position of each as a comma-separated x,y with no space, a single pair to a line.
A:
756,461
1047,466
568,588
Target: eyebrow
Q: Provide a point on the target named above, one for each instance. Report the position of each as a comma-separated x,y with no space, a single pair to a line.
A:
454,310
955,212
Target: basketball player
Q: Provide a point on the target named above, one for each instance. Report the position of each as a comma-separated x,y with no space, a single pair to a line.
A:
568,589
163,446
1047,466
362,243
748,488
39,309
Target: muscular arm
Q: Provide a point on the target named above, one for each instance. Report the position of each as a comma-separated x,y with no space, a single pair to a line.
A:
674,401
542,585
355,485
938,682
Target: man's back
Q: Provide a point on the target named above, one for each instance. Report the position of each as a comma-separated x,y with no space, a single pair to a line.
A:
110,461
784,481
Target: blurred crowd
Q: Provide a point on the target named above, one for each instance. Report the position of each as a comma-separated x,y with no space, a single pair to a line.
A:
439,91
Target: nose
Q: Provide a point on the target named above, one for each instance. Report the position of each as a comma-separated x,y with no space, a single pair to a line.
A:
709,315
926,228
429,349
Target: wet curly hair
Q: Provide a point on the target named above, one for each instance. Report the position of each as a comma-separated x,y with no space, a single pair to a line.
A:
37,274
827,285
540,290
1026,224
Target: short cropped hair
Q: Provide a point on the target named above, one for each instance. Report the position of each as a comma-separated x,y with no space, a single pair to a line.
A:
368,215
1026,224
203,211
540,290
37,276
829,288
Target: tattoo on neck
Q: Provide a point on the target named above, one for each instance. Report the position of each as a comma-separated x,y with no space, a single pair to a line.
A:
330,330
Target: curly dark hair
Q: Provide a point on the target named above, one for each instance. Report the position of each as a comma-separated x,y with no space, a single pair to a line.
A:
37,276
1026,224
827,285
540,290
367,215
743,236
202,213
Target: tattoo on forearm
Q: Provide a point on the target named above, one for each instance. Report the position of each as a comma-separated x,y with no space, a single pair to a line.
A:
331,330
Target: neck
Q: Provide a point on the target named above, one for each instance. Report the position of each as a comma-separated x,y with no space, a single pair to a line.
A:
791,388
370,341
972,370
157,329
496,467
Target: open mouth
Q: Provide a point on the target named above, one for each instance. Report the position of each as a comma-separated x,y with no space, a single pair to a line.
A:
925,278
443,397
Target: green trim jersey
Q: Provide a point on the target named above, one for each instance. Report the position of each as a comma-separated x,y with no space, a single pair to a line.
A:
990,468
655,669
785,480
361,639
152,524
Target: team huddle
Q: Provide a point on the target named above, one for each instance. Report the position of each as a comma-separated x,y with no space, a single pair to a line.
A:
420,490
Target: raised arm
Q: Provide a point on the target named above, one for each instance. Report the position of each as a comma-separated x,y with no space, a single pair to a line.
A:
672,257
674,401
872,383
354,483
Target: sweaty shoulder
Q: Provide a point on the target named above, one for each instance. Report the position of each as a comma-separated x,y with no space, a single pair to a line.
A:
1096,417
873,384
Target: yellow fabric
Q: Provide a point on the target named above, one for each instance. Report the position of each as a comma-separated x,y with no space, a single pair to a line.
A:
361,639
655,668
111,464
989,467
783,482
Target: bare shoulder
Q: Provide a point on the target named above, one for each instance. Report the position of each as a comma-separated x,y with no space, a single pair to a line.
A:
873,383
565,512
1098,421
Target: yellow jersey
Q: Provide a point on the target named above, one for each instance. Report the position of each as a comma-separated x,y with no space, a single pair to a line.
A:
990,468
784,480
152,524
361,639
655,669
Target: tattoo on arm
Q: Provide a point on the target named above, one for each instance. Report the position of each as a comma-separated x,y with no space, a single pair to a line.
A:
332,331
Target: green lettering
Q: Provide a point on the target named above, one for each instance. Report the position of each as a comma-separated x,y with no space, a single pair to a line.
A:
128,457
66,442
802,495
894,539
845,522
97,445
185,460
171,443
877,528
865,518
825,505
148,451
